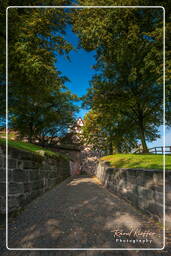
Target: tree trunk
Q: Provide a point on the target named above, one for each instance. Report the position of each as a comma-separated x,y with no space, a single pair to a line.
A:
143,141
118,149
110,147
30,137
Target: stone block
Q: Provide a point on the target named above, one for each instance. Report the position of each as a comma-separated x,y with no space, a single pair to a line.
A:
141,204
167,188
20,175
109,171
156,208
146,197
27,187
140,178
2,205
45,182
44,166
131,177
106,180
35,193
12,163
157,188
34,175
28,198
168,177
140,191
16,188
129,195
158,178
130,186
2,189
37,185
145,193
52,174
3,175
168,197
52,182
19,154
30,165
43,173
135,199
158,196
148,180
64,164
14,153
26,156
21,199
110,184
121,184
1,162
20,164
51,167
13,203
1,149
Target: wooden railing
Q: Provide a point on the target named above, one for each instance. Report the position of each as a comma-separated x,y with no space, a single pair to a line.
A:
160,150
156,150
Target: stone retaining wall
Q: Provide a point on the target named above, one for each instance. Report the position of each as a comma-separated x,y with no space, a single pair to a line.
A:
29,175
89,160
142,188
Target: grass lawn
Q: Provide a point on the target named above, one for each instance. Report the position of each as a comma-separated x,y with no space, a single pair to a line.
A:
32,148
146,161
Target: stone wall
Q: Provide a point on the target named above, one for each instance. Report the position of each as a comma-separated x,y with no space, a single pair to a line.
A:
73,152
142,188
89,160
29,175
83,158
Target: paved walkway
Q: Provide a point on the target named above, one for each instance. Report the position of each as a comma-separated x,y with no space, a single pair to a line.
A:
80,213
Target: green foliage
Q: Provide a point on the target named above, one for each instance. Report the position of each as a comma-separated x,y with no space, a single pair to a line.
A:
146,161
128,87
108,134
125,95
92,134
40,106
44,119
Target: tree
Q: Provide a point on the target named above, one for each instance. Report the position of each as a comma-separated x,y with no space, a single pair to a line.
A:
129,61
45,119
92,134
110,135
39,103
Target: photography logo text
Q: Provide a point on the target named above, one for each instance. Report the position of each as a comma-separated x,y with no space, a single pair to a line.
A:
133,236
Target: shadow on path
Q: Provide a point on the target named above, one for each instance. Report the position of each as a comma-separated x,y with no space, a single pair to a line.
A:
80,213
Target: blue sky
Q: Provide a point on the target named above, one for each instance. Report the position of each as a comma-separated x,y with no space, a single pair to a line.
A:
79,71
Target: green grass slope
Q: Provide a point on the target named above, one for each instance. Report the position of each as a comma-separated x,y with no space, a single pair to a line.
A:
29,147
146,161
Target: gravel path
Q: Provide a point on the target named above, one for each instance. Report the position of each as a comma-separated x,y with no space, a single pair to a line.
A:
81,213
